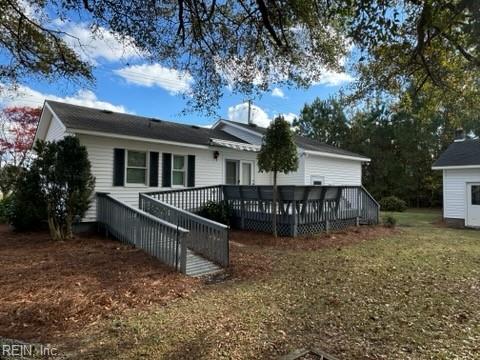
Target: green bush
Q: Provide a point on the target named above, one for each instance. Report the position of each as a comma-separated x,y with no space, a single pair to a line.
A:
393,203
66,183
27,208
219,212
5,205
389,221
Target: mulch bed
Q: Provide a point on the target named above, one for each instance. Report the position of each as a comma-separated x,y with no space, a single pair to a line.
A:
48,288
350,236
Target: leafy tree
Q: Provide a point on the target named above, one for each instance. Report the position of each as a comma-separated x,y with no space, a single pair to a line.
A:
17,131
66,183
418,46
9,175
323,120
250,45
26,208
278,154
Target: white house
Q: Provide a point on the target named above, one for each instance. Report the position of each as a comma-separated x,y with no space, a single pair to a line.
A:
130,154
460,164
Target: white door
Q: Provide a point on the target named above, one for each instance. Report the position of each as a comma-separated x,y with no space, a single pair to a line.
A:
473,205
247,173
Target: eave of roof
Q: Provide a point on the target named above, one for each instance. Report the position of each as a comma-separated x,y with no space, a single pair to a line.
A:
309,145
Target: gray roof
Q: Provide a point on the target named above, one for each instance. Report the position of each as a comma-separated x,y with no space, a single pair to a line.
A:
304,142
460,153
90,119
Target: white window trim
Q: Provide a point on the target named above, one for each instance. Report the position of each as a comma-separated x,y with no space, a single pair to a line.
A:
147,168
314,178
185,171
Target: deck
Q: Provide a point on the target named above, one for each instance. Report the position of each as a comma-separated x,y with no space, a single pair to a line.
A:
167,226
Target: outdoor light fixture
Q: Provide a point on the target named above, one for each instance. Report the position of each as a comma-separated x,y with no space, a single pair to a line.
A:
216,154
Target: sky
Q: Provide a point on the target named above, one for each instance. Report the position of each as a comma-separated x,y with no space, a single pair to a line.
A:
126,82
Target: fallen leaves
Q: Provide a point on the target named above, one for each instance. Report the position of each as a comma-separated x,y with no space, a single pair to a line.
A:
49,288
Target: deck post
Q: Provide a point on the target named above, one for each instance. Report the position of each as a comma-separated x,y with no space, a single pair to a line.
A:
294,219
242,209
182,238
327,226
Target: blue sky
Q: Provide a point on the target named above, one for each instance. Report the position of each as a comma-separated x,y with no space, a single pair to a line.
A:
153,90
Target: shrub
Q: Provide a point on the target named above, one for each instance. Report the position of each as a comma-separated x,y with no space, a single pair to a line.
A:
393,203
219,212
66,183
389,221
26,207
5,204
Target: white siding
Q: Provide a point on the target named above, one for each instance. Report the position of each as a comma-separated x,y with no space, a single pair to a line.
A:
335,171
455,191
294,178
208,171
242,134
56,130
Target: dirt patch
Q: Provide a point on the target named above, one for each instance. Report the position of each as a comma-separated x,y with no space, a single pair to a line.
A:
350,236
50,288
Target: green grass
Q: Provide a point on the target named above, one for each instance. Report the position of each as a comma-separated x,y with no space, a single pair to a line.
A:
411,295
415,217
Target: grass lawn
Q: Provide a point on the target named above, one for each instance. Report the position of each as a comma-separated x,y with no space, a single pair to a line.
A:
409,294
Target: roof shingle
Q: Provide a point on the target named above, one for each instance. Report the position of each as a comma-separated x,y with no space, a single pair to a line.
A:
304,142
460,153
90,119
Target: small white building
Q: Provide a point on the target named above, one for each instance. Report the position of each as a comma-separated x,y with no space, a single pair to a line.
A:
460,165
131,154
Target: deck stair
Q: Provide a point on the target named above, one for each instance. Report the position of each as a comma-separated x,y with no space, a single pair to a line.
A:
198,266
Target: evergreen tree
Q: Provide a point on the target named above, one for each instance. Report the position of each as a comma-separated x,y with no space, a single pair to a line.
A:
323,120
66,182
278,154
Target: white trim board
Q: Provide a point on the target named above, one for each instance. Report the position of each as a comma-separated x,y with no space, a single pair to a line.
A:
455,167
338,156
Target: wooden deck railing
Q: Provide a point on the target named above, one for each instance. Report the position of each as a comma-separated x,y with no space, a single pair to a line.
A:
159,238
205,237
300,209
191,199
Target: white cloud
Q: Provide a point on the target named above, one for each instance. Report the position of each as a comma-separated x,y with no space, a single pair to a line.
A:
239,113
260,117
25,96
92,45
333,78
174,81
278,92
289,117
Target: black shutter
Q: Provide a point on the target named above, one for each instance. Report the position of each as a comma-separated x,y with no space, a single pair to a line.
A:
153,180
191,171
166,170
118,167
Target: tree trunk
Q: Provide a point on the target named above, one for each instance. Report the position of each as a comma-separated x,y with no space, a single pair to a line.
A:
274,205
56,231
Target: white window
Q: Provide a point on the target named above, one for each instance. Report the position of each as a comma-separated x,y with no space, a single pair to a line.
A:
136,168
179,173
